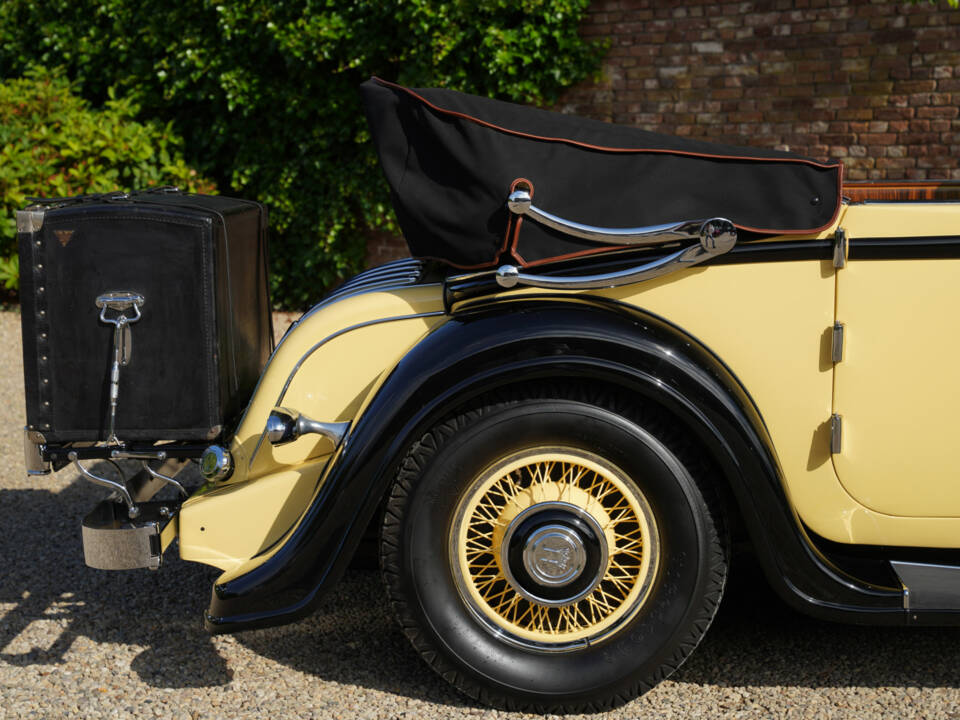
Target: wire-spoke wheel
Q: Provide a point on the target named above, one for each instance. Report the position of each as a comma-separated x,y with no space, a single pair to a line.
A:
551,554
555,547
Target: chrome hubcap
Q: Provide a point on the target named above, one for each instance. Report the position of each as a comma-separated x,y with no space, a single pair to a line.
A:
554,555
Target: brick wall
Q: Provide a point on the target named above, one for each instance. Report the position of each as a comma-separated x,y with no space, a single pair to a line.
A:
383,247
873,82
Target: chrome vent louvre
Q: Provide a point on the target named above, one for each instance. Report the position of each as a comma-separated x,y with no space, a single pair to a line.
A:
392,274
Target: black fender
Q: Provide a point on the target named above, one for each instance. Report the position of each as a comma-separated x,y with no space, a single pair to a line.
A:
527,340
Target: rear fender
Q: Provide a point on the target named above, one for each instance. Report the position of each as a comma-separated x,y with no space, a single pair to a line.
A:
565,338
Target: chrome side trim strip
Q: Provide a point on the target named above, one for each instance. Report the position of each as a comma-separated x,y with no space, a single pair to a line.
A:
319,345
716,237
520,203
927,586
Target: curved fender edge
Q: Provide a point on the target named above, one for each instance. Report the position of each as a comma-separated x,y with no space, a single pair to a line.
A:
577,339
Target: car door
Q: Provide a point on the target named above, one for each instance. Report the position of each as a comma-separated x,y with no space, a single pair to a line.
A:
896,396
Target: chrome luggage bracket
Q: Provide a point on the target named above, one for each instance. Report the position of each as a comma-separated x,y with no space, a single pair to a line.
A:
714,237
119,302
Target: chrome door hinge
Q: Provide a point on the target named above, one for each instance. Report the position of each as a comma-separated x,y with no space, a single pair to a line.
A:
836,433
836,351
841,247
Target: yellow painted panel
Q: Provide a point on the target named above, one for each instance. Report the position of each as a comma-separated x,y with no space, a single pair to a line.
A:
333,355
901,219
227,525
897,387
326,367
770,323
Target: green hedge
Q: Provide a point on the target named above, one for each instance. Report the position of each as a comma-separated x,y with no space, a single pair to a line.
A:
265,93
52,144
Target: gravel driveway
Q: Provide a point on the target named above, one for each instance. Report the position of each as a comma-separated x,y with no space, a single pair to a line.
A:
76,642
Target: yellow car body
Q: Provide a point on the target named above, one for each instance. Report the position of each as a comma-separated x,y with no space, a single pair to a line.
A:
770,322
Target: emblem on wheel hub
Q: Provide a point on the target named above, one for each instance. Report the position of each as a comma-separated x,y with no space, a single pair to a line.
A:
554,555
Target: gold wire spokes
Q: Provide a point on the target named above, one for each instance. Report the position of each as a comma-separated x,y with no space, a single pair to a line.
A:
554,547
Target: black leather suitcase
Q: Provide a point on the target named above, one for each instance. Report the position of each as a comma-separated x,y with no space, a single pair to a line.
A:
195,341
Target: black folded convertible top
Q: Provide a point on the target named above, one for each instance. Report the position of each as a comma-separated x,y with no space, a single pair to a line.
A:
451,160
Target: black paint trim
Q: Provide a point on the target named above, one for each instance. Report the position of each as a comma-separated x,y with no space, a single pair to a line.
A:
905,248
478,285
458,290
526,341
782,251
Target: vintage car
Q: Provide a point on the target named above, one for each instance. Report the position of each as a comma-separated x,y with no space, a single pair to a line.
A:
612,352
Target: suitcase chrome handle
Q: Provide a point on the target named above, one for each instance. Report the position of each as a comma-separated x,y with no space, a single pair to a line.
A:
120,302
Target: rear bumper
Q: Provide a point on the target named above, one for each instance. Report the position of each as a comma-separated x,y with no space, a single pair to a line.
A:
114,541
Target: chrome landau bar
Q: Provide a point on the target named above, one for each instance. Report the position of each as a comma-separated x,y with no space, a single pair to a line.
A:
715,237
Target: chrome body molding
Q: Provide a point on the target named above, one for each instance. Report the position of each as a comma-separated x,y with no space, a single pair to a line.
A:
390,276
29,220
716,236
927,586
520,203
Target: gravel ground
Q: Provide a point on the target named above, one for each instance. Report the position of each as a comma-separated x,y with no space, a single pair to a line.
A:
76,642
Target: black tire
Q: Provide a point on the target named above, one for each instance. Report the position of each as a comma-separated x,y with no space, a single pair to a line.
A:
495,655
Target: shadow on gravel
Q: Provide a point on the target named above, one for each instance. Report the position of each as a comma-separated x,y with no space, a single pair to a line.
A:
45,579
353,638
755,641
